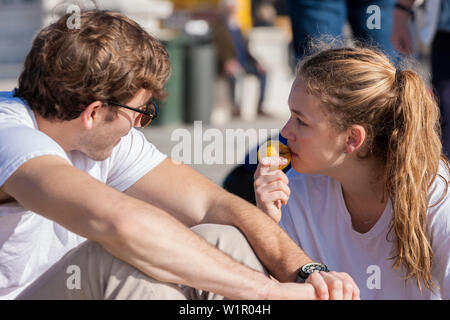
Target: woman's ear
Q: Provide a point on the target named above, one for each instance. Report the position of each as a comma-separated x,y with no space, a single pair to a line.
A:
91,115
356,135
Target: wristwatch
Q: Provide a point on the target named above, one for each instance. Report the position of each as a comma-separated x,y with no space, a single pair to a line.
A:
304,272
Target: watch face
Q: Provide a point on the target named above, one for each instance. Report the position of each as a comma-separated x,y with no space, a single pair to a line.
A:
311,267
304,272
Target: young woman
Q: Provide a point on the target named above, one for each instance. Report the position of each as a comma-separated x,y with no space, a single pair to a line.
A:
368,186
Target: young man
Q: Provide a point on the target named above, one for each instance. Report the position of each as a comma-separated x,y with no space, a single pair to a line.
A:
72,167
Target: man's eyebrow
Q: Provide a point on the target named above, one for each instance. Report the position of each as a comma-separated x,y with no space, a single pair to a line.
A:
146,103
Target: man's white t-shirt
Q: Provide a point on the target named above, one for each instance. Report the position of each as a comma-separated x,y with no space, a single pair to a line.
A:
30,243
317,219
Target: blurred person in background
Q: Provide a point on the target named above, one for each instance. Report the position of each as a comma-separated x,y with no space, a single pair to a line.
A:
264,13
440,53
234,58
315,18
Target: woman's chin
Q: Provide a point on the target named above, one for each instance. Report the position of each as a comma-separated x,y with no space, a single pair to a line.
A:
300,167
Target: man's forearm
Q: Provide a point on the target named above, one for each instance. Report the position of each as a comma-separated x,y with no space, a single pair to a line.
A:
162,247
275,249
165,249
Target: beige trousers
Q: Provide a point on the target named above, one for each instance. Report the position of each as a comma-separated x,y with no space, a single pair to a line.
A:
102,276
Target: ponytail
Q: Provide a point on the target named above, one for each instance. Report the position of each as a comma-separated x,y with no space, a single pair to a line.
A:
412,163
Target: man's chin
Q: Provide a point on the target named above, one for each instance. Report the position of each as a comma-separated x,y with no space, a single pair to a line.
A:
99,156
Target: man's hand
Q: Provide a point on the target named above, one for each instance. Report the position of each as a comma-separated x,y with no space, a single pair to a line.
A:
290,291
334,286
340,287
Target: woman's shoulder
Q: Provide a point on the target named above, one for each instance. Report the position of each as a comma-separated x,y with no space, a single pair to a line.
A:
438,216
439,195
440,186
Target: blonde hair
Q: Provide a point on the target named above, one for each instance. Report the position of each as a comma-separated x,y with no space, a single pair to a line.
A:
401,117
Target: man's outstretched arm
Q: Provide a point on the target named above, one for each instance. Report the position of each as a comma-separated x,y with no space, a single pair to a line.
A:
193,199
137,232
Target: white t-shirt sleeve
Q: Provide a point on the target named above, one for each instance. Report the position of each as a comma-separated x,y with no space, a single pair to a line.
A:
20,143
439,233
133,157
441,253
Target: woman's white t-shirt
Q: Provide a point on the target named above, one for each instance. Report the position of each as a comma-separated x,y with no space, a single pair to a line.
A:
30,243
317,219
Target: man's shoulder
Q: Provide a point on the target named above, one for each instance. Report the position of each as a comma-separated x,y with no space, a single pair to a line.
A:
7,97
130,147
14,109
6,94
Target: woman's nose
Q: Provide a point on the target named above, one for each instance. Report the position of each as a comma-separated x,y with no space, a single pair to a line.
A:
286,132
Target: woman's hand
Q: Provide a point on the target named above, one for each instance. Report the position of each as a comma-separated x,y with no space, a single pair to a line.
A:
271,186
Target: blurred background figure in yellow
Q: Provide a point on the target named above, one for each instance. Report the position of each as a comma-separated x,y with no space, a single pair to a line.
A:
234,58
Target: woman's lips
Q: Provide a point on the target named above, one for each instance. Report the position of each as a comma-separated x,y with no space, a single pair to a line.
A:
294,154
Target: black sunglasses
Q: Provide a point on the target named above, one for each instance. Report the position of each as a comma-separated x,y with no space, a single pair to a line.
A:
150,113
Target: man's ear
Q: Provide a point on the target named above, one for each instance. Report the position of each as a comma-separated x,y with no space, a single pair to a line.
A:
91,114
356,135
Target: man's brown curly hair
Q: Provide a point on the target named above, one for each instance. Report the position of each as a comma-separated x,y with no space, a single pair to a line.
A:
110,57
